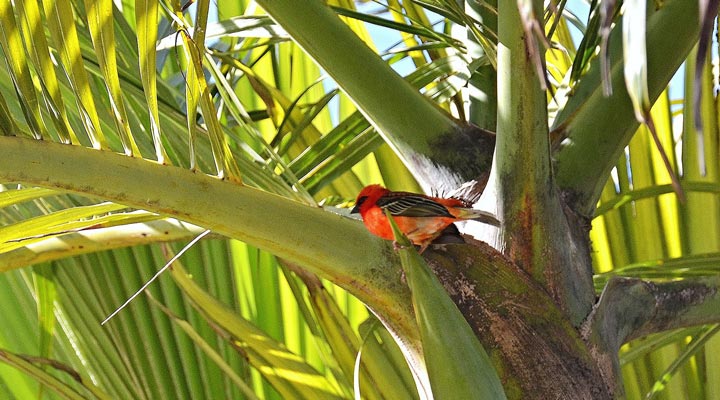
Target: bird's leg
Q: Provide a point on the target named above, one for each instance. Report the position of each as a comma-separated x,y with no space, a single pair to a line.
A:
397,246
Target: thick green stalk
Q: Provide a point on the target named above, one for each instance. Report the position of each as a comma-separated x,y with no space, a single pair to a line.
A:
327,244
536,234
523,158
597,128
421,133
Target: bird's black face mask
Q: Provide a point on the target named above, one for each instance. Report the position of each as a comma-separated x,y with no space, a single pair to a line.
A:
359,203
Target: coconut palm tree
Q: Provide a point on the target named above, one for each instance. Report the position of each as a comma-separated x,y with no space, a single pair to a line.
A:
140,134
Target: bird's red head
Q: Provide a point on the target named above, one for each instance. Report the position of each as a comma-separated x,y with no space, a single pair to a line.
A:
368,197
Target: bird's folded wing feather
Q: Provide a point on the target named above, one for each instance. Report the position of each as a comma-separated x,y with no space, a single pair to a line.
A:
409,205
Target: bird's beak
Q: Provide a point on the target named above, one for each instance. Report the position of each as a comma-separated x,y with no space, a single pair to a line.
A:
355,209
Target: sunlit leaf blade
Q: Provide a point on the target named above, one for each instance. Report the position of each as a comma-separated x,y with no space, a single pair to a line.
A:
224,160
12,47
64,37
83,241
101,25
71,220
16,196
146,14
288,373
37,45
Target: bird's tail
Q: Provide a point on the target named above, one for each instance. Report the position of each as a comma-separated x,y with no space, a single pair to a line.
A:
476,215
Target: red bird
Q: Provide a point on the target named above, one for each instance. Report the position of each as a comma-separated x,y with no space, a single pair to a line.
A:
421,218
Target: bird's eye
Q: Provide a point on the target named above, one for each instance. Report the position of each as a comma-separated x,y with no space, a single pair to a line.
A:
360,201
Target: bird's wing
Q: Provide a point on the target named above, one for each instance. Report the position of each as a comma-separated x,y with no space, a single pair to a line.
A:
412,205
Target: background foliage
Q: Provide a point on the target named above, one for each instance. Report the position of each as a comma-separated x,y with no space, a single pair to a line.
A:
241,100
